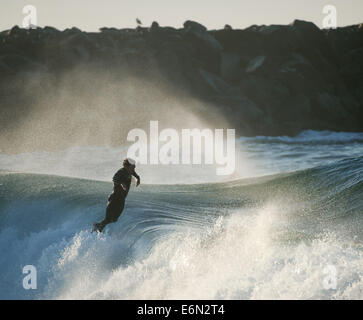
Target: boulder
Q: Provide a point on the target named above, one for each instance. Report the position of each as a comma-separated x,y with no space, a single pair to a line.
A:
204,39
305,26
329,108
294,61
154,26
77,46
15,31
300,107
213,83
72,30
50,30
243,109
352,63
255,63
109,30
230,66
192,25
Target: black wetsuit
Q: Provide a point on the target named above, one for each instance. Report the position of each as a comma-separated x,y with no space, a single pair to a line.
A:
116,200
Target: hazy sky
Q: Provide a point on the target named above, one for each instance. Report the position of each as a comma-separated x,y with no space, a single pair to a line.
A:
90,15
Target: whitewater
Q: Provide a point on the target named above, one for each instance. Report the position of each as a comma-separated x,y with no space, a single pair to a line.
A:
291,213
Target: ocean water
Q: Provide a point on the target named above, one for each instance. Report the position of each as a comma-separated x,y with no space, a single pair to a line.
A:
287,225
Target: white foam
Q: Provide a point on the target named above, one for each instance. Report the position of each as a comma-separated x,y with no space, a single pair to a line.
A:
239,257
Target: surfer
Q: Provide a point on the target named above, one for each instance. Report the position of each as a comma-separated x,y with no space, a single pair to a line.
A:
121,186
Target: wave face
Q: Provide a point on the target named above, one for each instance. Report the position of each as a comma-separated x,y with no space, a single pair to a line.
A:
269,237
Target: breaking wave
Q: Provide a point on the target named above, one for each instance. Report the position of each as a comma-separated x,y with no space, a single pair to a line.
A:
270,237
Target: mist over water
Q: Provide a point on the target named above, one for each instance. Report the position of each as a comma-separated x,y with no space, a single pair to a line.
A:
88,106
255,156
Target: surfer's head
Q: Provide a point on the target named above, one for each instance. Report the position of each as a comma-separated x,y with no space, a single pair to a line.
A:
129,163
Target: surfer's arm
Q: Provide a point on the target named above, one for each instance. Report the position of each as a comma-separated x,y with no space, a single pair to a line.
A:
137,178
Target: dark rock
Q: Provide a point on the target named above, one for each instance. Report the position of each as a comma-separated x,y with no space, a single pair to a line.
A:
243,113
331,107
305,25
194,26
14,31
213,83
19,63
353,63
77,46
51,30
264,80
255,63
154,26
301,105
198,33
104,29
230,66
71,31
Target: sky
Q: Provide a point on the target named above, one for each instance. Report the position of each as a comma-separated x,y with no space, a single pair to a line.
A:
90,15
